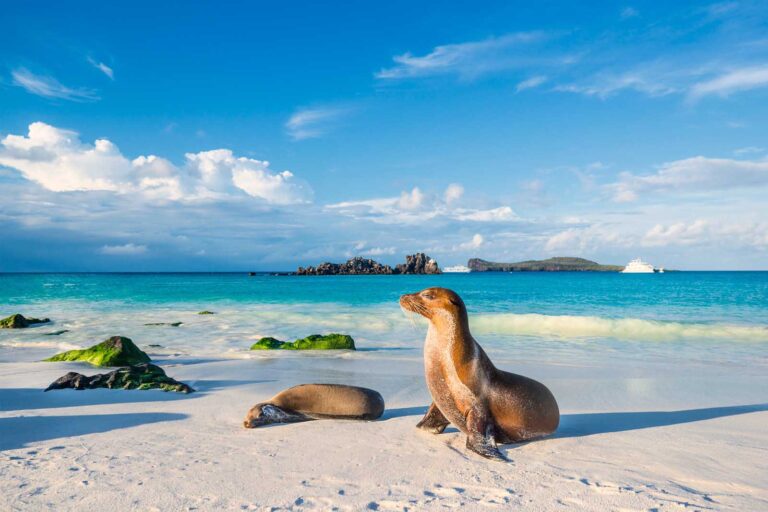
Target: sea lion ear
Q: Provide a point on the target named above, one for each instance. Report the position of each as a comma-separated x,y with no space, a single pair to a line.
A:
456,301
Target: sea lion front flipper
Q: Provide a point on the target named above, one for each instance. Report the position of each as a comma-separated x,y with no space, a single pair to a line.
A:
480,435
433,421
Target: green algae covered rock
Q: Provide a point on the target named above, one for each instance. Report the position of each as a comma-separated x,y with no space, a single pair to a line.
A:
206,312
141,376
116,351
331,341
18,321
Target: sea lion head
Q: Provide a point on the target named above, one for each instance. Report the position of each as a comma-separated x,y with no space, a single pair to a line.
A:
266,414
434,303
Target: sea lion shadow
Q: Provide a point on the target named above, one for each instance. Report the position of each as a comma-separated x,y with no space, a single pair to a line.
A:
17,432
204,386
588,424
20,399
399,412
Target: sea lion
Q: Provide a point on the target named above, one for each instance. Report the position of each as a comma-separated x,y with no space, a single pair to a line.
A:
317,401
489,405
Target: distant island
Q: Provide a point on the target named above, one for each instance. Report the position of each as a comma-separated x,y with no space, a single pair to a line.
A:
558,264
418,263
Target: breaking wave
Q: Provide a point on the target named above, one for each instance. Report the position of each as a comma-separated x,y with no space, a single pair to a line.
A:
619,328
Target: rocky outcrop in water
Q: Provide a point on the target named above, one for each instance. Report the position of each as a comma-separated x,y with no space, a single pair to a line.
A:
331,341
116,351
141,376
18,321
558,264
418,263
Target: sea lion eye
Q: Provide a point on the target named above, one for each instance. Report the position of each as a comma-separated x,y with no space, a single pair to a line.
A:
428,295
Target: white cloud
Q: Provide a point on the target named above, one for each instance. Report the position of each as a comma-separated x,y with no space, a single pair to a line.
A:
57,160
311,123
582,240
465,59
412,200
500,214
123,250
102,67
477,241
607,84
530,83
728,83
49,87
378,251
697,174
680,233
749,150
453,192
414,207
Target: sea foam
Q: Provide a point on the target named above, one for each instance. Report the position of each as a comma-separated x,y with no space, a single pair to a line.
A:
636,329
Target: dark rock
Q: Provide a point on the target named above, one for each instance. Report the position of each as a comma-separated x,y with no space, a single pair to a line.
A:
141,376
18,321
57,333
172,324
206,312
418,263
116,351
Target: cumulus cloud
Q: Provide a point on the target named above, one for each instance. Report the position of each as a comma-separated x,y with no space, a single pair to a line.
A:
311,123
414,206
57,160
123,250
697,174
49,87
453,192
465,59
476,242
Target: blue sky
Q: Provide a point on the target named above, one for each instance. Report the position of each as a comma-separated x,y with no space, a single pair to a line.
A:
264,135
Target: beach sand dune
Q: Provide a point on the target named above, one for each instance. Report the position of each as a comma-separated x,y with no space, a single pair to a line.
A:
671,442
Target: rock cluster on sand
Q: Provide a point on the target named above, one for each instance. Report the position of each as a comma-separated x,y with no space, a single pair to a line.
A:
206,312
331,341
418,263
141,376
18,321
116,351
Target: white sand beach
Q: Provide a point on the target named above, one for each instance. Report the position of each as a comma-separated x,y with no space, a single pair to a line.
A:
662,437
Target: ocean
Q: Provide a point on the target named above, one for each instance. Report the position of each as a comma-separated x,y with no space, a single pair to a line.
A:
559,318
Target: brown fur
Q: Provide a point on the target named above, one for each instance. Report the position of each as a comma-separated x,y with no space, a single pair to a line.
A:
487,404
317,401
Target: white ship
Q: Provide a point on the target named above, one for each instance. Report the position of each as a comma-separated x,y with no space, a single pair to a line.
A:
638,266
457,269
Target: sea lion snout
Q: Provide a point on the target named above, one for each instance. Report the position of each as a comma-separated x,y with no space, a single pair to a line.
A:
429,300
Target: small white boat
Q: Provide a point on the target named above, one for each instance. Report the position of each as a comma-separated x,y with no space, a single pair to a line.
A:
457,269
638,266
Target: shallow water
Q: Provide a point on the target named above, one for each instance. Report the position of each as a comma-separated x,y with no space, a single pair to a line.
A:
562,318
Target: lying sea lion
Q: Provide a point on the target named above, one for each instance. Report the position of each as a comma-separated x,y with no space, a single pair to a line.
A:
489,405
317,401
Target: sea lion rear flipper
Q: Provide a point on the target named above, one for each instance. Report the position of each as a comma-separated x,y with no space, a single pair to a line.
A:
433,421
480,435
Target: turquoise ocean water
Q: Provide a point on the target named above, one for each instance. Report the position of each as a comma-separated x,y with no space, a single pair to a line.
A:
532,315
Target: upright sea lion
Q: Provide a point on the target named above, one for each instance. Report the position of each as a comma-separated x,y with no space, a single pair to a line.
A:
489,405
317,401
